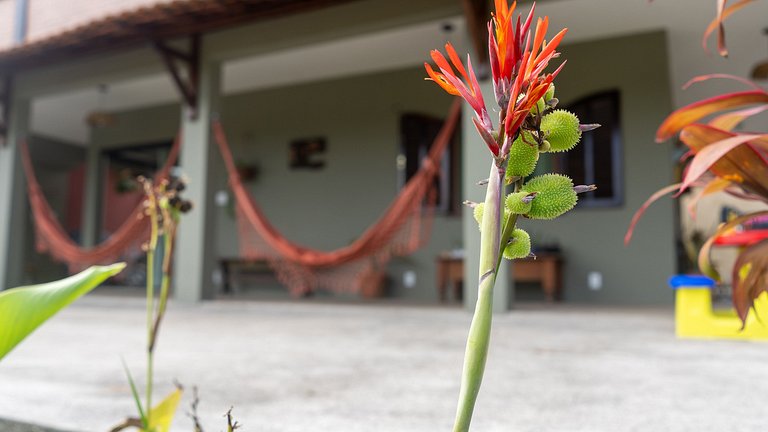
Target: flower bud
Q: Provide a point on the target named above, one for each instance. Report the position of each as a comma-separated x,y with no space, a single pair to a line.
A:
562,130
523,156
555,196
550,93
519,245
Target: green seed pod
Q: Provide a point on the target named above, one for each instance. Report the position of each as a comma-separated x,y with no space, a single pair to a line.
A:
520,245
477,212
545,146
562,130
515,203
522,157
541,106
550,93
555,196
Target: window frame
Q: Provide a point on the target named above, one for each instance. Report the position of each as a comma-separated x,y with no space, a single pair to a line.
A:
588,200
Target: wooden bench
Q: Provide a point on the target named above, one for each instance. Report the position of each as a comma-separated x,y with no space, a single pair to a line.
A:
545,269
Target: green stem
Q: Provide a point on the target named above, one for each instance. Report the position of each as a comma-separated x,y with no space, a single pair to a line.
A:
164,283
150,304
509,227
480,329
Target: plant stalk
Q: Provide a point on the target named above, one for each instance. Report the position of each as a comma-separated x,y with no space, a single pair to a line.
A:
480,330
150,302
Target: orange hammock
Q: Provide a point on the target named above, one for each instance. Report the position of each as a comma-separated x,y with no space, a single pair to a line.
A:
402,229
52,238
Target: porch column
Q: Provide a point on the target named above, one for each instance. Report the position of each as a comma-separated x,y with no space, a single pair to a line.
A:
477,165
195,256
90,222
13,205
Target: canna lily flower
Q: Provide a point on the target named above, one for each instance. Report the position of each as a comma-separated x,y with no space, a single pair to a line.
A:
529,84
464,85
505,47
517,62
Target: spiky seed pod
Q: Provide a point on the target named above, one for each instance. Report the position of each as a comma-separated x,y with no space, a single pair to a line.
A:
519,246
562,130
477,212
515,203
523,156
550,93
555,196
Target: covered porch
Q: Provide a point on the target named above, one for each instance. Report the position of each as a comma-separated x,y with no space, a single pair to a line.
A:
349,75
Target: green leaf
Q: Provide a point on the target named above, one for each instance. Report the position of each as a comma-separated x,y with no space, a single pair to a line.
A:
162,414
135,393
24,309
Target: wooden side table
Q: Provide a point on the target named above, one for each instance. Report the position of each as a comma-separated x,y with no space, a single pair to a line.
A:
546,269
450,270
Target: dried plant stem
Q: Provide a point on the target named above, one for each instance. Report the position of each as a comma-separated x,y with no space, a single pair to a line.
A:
480,330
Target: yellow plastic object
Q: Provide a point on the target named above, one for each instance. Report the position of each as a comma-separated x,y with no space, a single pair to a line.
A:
695,318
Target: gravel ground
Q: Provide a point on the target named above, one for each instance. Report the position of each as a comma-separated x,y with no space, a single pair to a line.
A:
302,366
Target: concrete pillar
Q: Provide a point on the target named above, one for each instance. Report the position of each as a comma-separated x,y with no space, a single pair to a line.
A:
13,204
195,255
477,165
91,218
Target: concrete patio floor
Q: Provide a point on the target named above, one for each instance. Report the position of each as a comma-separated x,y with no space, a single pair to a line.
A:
306,366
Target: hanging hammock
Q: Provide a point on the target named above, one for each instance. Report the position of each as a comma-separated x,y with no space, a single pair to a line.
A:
402,229
52,238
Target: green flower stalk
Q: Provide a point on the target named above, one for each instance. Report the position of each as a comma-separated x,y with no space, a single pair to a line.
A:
163,207
525,95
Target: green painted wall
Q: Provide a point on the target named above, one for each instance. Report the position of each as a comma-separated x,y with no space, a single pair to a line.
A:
592,238
328,208
359,117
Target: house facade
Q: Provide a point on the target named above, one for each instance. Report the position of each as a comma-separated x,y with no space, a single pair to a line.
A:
347,72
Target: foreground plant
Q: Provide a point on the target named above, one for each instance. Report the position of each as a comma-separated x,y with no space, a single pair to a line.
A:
24,309
723,161
528,125
164,207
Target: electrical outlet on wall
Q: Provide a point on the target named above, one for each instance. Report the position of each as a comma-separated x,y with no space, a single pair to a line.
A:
595,280
409,279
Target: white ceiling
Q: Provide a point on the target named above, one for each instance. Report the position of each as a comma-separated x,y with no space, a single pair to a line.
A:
62,115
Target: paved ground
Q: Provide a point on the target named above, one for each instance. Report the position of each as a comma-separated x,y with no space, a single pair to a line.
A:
345,368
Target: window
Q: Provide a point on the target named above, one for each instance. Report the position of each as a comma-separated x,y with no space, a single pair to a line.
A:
417,132
598,158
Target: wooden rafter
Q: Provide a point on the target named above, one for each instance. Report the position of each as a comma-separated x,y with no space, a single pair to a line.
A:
5,108
175,59
477,13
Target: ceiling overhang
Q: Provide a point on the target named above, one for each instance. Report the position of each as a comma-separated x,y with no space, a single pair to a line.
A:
142,25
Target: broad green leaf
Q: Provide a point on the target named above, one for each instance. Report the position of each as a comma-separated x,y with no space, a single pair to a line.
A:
162,414
24,309
698,110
